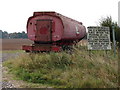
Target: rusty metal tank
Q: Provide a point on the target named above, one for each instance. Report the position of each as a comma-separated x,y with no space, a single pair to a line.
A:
54,28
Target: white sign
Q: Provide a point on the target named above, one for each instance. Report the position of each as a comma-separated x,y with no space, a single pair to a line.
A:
98,38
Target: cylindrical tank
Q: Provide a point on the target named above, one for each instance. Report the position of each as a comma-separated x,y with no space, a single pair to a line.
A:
51,27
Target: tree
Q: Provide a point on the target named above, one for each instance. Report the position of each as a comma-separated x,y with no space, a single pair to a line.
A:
0,33
24,35
5,34
108,22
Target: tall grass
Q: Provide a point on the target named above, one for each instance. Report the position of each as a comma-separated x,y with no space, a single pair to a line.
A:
78,69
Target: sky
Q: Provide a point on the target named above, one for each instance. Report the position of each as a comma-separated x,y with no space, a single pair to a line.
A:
15,13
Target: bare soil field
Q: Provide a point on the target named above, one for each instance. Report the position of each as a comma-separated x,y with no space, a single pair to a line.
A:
13,44
16,44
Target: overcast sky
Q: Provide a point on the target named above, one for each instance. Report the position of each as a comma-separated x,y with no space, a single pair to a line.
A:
14,13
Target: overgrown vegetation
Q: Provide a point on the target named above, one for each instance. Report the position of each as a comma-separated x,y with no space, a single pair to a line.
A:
79,69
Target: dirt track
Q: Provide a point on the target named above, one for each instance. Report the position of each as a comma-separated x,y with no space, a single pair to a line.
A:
6,56
7,81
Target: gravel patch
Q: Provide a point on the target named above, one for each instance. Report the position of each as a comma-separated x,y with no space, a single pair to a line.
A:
6,56
6,78
7,85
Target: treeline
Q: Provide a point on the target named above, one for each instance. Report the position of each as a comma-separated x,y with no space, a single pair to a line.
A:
6,35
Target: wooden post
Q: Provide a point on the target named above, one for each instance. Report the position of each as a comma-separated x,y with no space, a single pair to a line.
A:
114,42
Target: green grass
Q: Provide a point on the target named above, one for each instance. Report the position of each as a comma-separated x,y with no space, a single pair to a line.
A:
10,51
79,69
